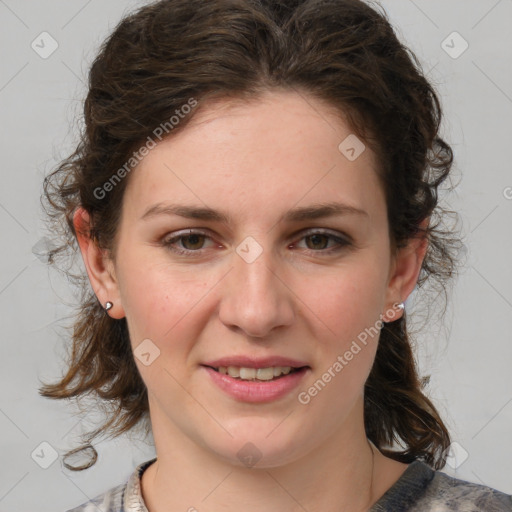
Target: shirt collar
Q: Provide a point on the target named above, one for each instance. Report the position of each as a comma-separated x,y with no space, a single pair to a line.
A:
133,501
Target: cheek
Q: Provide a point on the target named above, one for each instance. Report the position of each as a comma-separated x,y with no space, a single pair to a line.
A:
344,303
344,320
157,298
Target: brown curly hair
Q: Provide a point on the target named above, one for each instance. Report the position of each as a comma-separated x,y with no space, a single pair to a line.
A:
343,52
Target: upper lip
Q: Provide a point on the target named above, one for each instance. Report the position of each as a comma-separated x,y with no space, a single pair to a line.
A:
253,362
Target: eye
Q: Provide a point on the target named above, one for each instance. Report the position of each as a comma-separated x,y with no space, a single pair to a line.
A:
192,242
317,240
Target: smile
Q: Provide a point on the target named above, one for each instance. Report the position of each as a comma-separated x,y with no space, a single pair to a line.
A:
262,374
248,387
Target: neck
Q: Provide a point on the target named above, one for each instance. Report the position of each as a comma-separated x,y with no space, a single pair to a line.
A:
339,475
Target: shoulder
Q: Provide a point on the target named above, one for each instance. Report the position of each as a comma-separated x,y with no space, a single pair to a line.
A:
110,501
125,497
422,489
446,493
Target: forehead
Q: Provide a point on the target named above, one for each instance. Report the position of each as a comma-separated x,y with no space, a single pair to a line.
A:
257,157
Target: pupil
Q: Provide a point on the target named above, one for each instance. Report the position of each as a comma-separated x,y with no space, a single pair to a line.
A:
315,238
193,238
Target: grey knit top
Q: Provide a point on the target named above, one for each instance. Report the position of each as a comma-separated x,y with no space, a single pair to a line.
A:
419,489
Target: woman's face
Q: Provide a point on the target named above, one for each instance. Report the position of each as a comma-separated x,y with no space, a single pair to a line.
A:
267,282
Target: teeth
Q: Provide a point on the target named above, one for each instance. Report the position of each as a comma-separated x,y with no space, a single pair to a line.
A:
233,371
255,373
265,373
247,373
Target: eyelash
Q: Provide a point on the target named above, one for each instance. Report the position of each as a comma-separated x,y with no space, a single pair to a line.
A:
168,243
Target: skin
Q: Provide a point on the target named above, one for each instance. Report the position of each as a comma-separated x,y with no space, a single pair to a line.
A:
298,299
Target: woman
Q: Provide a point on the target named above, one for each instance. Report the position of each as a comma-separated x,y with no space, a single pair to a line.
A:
254,198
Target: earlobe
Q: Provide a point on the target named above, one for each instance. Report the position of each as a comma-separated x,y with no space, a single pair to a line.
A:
406,269
98,265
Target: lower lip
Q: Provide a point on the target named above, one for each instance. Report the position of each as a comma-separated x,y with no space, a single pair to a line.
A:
254,391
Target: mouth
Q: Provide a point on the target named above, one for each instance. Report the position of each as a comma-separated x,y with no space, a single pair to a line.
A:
266,374
257,384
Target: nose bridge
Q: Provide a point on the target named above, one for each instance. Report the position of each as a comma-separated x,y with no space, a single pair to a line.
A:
255,299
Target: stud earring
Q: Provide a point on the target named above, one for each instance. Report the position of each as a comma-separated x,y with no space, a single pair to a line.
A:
397,305
108,305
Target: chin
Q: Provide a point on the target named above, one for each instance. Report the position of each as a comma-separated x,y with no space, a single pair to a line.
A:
258,446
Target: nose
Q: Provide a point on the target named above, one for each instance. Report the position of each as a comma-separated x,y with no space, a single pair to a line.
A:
256,299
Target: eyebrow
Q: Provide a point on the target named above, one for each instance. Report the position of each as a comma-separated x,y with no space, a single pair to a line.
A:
304,213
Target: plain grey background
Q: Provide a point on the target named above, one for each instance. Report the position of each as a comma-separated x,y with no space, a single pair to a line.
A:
469,356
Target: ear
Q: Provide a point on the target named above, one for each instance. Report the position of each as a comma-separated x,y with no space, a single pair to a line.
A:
404,272
99,266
